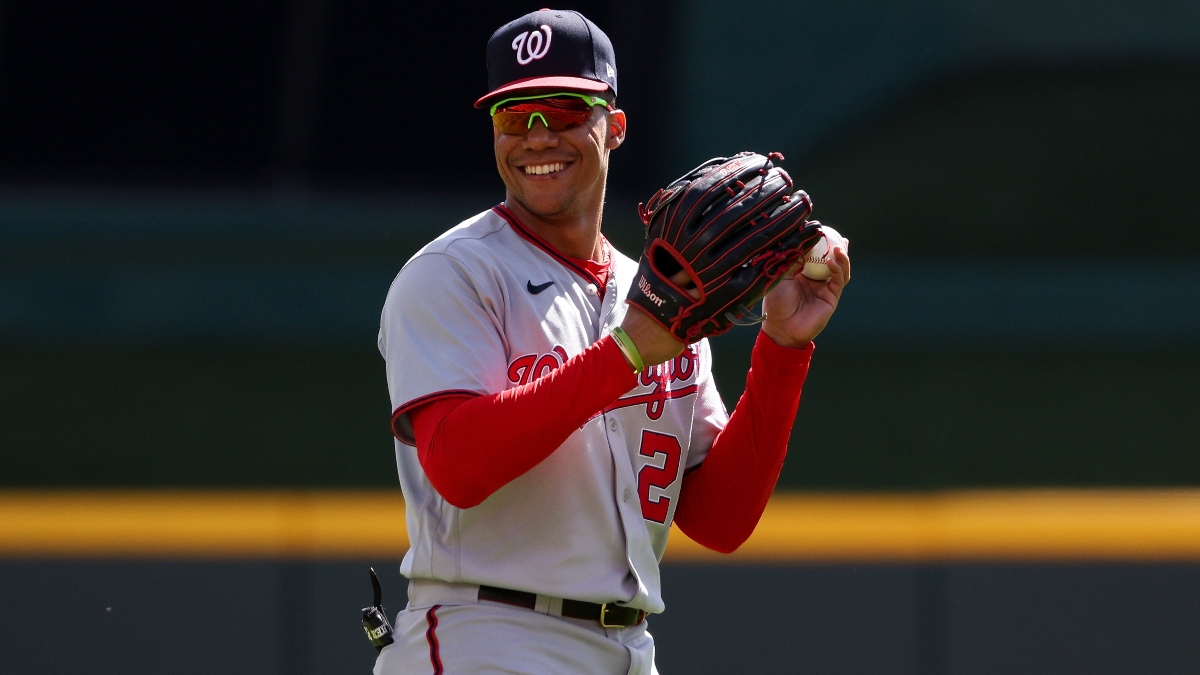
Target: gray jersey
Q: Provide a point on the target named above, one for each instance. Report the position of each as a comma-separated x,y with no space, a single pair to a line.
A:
489,306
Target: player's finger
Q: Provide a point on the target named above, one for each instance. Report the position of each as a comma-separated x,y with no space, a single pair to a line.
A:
842,256
838,271
683,280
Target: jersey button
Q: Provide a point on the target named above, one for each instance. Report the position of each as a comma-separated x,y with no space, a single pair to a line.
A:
591,289
612,424
628,494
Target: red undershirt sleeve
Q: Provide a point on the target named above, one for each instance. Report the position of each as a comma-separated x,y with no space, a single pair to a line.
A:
471,447
723,498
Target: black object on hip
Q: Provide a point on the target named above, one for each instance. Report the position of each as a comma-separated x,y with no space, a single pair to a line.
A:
374,618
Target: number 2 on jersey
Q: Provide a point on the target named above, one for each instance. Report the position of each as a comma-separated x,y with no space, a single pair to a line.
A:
651,476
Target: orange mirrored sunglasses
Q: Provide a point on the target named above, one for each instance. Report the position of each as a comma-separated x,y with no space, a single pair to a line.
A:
558,112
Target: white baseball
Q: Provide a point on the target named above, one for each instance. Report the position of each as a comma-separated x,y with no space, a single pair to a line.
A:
816,261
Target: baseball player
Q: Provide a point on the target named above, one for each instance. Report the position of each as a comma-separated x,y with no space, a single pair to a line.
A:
548,433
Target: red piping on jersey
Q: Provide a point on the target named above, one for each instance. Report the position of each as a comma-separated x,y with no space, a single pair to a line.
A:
435,656
422,400
527,234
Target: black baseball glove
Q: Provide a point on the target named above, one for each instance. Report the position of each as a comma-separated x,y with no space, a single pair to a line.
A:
734,227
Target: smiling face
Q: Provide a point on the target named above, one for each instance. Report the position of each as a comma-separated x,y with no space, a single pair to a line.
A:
560,175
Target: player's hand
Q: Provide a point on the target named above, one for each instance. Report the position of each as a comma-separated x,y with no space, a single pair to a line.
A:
656,343
798,308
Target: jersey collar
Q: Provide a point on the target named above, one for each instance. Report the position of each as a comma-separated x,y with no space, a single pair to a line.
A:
529,235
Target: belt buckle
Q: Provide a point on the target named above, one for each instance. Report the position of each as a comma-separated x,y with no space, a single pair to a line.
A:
604,616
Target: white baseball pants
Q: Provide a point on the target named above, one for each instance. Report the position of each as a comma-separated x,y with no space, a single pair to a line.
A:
470,637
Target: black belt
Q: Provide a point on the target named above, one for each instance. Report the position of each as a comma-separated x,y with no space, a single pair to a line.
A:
608,614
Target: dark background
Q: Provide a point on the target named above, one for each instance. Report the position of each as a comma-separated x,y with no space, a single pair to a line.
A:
309,93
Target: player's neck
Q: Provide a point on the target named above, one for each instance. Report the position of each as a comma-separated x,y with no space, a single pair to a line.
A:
575,235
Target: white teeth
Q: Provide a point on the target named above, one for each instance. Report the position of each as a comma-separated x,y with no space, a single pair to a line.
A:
542,169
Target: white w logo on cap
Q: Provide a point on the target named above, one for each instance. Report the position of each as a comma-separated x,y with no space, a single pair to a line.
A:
530,47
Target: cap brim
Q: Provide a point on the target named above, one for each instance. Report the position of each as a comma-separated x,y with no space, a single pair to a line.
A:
556,82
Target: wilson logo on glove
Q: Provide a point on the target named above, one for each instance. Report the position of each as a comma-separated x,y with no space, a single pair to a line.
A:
530,46
645,287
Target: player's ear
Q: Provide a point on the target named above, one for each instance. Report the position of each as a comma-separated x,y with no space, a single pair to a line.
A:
616,129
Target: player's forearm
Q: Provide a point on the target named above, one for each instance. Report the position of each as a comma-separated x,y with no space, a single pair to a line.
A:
722,500
485,443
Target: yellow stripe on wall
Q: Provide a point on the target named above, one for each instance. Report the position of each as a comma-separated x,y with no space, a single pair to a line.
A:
202,524
985,525
1067,525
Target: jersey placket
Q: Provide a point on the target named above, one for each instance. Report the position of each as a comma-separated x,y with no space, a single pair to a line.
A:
639,550
608,311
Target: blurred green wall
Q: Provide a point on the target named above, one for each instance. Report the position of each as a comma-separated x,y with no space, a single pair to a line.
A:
869,420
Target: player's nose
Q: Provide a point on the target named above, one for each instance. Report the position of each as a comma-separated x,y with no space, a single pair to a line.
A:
539,136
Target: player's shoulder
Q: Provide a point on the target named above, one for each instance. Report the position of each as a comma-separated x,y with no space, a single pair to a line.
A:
460,259
472,237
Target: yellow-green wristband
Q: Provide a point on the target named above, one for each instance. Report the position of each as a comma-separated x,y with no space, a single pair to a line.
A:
628,348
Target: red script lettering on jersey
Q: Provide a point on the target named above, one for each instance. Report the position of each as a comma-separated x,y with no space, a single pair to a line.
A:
662,378
527,368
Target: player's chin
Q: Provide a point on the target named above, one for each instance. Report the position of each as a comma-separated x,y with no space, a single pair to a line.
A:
548,206
547,199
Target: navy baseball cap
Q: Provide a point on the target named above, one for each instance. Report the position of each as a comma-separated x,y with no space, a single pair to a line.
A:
549,49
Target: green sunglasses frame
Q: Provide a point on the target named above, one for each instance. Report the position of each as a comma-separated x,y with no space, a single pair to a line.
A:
590,100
